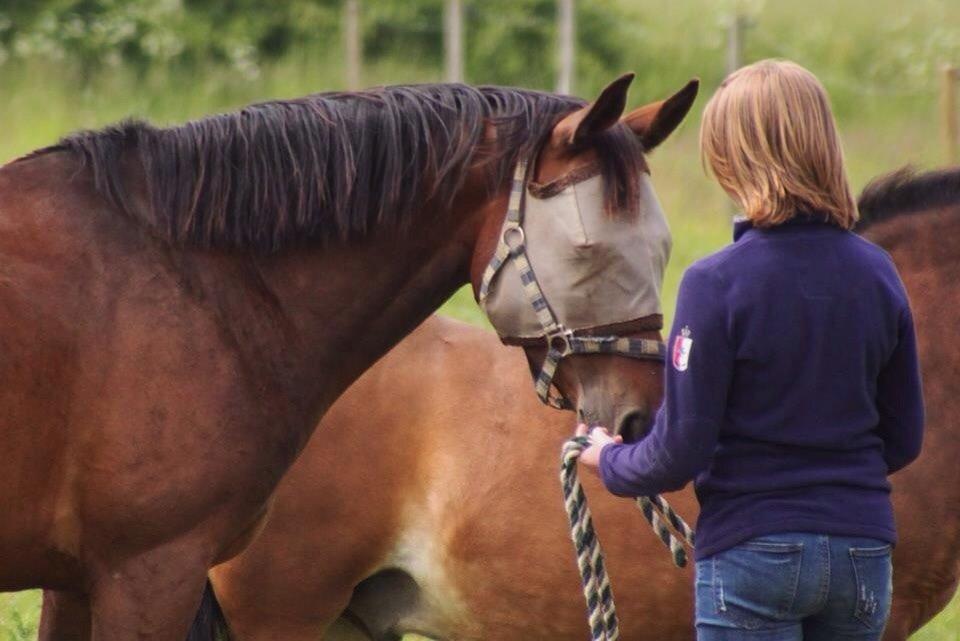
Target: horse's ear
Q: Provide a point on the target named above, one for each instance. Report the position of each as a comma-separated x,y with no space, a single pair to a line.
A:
654,122
601,114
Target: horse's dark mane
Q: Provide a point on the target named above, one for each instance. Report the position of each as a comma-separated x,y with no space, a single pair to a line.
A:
332,167
906,191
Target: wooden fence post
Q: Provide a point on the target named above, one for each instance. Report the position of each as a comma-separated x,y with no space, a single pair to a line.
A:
735,32
567,34
948,113
738,24
351,37
453,40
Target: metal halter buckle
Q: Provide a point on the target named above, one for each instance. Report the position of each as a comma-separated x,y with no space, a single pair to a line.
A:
560,341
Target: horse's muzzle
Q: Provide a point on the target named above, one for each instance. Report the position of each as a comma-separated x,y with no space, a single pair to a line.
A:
633,425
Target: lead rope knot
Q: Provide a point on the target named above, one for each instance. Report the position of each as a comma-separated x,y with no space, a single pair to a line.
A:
601,610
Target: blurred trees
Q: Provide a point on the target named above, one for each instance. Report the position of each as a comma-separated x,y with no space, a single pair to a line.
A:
247,33
96,33
884,50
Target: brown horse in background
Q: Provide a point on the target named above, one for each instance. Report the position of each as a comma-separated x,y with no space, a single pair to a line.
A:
180,306
917,219
452,526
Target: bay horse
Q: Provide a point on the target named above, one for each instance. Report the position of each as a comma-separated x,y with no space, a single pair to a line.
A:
179,307
453,526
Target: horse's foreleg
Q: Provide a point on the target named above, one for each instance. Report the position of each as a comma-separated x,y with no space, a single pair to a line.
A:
65,617
153,597
265,597
296,611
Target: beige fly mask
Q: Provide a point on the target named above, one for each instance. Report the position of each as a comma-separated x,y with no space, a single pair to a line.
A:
563,264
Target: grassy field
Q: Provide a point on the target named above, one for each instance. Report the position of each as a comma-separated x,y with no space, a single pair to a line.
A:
881,72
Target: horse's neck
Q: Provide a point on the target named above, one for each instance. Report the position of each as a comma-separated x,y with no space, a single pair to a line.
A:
343,308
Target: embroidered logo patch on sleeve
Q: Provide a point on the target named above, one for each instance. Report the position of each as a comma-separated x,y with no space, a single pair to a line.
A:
682,345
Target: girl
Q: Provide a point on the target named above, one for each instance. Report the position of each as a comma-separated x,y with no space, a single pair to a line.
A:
792,384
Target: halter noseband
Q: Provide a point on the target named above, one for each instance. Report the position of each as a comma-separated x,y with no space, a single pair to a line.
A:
560,340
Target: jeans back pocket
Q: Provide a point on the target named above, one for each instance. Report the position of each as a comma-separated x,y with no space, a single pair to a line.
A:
873,576
756,582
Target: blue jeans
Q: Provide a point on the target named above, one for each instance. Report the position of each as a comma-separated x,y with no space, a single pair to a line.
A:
795,587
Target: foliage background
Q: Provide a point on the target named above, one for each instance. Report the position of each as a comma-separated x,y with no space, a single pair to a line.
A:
68,64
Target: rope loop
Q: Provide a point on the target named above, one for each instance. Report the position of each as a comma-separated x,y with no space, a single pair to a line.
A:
597,592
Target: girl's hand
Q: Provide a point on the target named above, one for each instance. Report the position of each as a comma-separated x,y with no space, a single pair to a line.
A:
599,439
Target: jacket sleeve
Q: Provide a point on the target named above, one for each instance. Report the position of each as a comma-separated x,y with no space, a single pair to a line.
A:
700,358
900,399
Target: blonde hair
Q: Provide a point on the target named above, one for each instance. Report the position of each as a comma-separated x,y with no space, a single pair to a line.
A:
769,138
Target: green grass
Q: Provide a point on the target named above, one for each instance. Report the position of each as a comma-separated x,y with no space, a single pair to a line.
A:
879,66
20,612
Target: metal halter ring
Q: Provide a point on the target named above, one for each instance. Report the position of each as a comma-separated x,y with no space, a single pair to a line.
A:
514,231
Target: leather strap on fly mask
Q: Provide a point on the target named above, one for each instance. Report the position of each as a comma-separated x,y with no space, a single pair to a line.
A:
560,340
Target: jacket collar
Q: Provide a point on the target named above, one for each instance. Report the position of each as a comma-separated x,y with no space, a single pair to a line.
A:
803,219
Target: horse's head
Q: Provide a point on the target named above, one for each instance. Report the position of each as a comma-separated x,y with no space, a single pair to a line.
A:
573,272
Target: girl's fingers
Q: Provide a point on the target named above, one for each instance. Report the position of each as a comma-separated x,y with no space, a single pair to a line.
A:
581,430
602,433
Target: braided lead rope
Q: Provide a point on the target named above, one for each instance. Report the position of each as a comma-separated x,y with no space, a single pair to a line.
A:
601,611
660,528
676,521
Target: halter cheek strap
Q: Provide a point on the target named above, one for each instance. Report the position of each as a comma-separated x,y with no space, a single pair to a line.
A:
560,340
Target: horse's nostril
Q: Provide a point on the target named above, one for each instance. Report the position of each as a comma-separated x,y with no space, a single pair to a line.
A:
633,425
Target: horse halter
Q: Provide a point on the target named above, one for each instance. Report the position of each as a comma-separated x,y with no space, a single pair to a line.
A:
561,341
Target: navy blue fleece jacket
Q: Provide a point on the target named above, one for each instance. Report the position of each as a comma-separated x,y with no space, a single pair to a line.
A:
792,389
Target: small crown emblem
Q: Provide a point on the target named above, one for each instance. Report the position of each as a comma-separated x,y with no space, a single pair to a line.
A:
685,332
